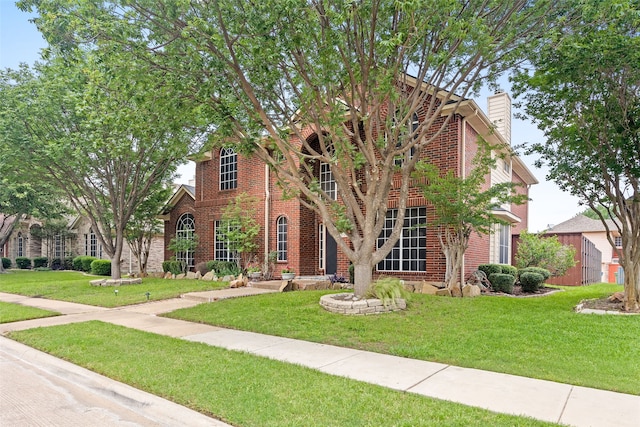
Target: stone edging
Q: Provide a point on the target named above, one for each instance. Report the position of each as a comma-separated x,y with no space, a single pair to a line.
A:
345,304
580,309
116,282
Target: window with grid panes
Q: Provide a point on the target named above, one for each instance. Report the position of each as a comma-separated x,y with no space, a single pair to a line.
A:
410,252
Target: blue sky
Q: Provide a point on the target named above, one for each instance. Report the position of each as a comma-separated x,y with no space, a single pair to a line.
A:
20,41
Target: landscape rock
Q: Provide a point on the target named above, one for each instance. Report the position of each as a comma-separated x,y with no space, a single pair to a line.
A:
443,292
429,289
168,275
456,291
208,276
616,297
190,275
181,276
286,286
228,278
198,275
471,291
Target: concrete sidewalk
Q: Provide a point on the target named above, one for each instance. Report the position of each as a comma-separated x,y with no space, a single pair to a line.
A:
544,400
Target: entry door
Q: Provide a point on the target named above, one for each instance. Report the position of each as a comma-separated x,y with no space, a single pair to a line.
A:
331,262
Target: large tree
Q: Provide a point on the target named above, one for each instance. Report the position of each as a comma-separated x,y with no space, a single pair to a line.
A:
585,96
269,73
98,126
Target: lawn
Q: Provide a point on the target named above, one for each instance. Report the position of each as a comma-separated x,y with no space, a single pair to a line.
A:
535,337
74,286
247,390
16,312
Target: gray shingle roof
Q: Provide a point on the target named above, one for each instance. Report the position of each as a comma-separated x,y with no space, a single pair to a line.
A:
580,224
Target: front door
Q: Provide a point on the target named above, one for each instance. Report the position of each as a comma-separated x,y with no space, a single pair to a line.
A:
332,255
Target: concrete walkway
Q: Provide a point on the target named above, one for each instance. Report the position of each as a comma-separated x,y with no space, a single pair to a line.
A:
543,400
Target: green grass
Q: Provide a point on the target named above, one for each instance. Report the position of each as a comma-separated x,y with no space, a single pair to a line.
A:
247,390
533,337
74,287
16,312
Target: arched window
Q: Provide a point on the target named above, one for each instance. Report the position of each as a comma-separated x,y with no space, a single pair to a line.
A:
228,169
282,237
185,230
20,245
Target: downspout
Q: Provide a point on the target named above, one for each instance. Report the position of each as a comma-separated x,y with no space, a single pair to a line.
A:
267,213
463,161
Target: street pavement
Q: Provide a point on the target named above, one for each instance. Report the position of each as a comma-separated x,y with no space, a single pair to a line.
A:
539,399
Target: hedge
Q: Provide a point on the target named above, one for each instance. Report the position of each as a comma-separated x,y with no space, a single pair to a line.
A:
490,269
6,262
86,263
531,281
502,282
509,269
23,262
539,270
101,267
40,261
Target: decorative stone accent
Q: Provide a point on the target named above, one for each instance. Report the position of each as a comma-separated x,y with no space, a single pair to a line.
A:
116,282
286,286
347,304
443,292
208,276
311,284
198,275
168,275
180,276
429,289
228,278
471,291
190,275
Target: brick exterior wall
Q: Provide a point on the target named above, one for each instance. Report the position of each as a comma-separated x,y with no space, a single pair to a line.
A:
446,150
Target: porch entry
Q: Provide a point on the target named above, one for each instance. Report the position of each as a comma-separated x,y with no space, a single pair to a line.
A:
328,251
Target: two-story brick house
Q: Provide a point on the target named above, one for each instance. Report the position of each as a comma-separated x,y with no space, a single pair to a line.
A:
298,234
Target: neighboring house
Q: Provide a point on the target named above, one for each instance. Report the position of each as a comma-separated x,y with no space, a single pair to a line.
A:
77,238
298,234
595,231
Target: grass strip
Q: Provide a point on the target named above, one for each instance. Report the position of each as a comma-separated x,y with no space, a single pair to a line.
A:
247,390
16,312
74,286
534,337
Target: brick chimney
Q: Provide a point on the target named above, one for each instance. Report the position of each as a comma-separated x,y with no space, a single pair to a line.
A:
499,112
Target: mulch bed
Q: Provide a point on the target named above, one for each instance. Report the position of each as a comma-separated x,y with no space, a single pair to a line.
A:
518,292
606,305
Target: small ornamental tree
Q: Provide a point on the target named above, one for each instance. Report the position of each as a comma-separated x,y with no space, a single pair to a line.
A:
545,252
240,229
184,244
462,207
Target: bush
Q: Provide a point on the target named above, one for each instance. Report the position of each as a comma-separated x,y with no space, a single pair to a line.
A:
530,281
539,270
490,269
201,267
40,261
86,263
77,263
67,263
387,289
223,268
173,267
509,269
23,262
6,262
101,267
502,282
55,264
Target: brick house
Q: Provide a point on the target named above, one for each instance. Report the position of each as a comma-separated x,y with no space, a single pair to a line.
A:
298,234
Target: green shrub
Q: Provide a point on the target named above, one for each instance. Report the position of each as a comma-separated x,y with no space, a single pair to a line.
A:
539,270
86,263
56,264
490,269
6,262
101,267
77,263
40,261
387,289
502,282
530,281
509,269
165,266
201,267
223,268
23,262
67,263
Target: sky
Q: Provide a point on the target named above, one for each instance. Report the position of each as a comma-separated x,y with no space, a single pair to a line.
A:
20,41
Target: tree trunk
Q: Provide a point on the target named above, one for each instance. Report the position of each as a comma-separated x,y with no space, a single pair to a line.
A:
362,277
631,286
